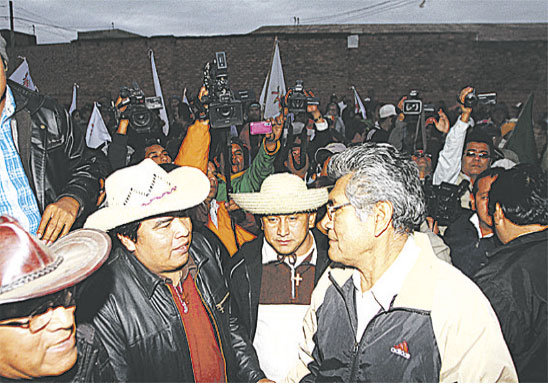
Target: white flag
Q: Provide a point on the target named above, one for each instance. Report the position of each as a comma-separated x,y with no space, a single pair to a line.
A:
97,132
274,87
73,104
359,108
158,90
185,99
22,76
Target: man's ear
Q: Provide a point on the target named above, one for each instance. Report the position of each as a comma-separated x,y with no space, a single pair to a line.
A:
127,242
473,201
311,220
383,212
498,215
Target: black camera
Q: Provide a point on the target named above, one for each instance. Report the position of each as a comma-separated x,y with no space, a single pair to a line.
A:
298,101
140,110
443,201
471,99
224,109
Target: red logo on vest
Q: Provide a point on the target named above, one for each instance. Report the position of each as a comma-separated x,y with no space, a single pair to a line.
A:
401,349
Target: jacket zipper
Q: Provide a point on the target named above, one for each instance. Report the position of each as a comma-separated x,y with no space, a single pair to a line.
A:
356,349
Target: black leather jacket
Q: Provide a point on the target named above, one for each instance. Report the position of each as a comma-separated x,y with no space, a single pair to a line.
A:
142,330
53,150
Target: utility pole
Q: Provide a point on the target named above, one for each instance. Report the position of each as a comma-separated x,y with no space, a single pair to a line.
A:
12,29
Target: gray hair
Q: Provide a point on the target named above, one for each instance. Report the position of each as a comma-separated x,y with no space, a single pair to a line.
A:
381,173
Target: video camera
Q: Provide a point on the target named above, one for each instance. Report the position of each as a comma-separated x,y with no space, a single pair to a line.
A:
413,105
140,109
224,109
443,201
298,99
472,99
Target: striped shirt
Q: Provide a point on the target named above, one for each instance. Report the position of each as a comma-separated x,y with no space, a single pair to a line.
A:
16,197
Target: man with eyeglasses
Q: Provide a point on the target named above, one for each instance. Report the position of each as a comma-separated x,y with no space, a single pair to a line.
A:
38,336
272,277
392,312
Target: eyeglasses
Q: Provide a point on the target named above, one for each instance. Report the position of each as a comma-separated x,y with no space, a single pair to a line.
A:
422,154
481,155
42,315
331,209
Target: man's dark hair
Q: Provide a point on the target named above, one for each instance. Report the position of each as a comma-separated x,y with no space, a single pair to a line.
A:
522,193
489,172
477,136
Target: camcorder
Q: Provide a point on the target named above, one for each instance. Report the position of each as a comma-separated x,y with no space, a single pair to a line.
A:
472,99
140,111
413,105
443,201
224,108
298,99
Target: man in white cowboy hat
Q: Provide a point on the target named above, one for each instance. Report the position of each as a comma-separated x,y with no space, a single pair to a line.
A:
38,336
272,277
164,311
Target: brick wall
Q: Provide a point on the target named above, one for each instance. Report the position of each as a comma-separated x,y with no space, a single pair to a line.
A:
437,64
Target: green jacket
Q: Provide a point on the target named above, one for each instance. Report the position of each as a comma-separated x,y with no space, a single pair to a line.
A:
250,180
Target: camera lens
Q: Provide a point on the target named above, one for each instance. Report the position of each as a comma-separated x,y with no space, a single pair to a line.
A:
225,111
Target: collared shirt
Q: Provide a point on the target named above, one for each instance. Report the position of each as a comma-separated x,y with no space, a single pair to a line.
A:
474,219
279,325
380,296
16,196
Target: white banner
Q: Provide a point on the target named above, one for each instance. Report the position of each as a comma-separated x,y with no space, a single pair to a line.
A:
22,76
73,104
359,108
274,87
97,132
158,90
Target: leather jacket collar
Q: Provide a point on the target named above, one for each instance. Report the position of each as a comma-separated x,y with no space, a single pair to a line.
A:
149,281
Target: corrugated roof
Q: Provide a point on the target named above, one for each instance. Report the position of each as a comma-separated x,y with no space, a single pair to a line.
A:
484,32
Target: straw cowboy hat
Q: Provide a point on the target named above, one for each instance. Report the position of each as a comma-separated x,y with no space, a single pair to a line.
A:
146,190
29,269
281,194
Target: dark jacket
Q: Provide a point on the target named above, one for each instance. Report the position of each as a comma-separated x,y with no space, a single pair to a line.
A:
52,151
245,274
468,251
142,330
514,280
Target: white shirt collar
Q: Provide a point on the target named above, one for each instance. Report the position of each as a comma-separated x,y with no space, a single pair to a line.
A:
391,281
269,254
474,219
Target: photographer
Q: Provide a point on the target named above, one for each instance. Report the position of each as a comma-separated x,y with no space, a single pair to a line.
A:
139,127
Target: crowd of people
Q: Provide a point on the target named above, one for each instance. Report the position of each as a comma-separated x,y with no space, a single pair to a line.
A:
370,246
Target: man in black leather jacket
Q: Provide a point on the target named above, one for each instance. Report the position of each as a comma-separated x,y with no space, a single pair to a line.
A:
51,151
164,311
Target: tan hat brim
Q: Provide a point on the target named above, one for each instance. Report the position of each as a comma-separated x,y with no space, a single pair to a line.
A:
83,251
265,204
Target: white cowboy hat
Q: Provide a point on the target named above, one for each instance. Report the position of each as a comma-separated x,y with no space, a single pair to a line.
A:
29,269
281,194
146,190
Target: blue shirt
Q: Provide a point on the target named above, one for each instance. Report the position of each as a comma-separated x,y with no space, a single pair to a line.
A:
16,196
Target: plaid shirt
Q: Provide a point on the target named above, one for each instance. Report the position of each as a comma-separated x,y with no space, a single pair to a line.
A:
16,197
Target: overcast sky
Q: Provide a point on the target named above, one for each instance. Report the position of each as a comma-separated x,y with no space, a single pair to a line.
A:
58,21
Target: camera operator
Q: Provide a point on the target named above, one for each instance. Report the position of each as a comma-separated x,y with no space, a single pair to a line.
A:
133,136
456,161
